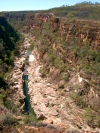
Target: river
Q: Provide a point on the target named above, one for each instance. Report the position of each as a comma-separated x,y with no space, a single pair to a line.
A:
28,110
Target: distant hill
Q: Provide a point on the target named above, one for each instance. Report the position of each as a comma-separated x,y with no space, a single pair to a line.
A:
84,10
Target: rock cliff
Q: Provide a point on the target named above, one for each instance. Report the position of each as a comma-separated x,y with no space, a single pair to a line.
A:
69,52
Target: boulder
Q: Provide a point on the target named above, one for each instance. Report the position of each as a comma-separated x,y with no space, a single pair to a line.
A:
48,121
61,83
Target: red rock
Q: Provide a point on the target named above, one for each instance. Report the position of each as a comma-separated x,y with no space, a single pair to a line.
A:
31,128
49,121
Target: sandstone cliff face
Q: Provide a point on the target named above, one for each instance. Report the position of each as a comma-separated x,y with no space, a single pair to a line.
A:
66,28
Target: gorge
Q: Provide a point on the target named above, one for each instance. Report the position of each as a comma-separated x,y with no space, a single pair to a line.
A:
55,72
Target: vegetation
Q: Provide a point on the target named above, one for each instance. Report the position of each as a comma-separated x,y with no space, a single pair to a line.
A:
9,41
7,120
79,100
84,10
91,118
29,119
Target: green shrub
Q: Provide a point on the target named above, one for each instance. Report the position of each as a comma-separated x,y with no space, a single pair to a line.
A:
79,100
43,72
7,120
2,95
10,105
91,118
28,119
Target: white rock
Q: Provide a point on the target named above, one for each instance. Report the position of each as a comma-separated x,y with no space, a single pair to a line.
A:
31,58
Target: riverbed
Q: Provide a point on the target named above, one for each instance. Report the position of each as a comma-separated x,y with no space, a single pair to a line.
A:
19,77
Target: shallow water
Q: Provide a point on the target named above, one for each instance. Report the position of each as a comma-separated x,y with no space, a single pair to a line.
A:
28,109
